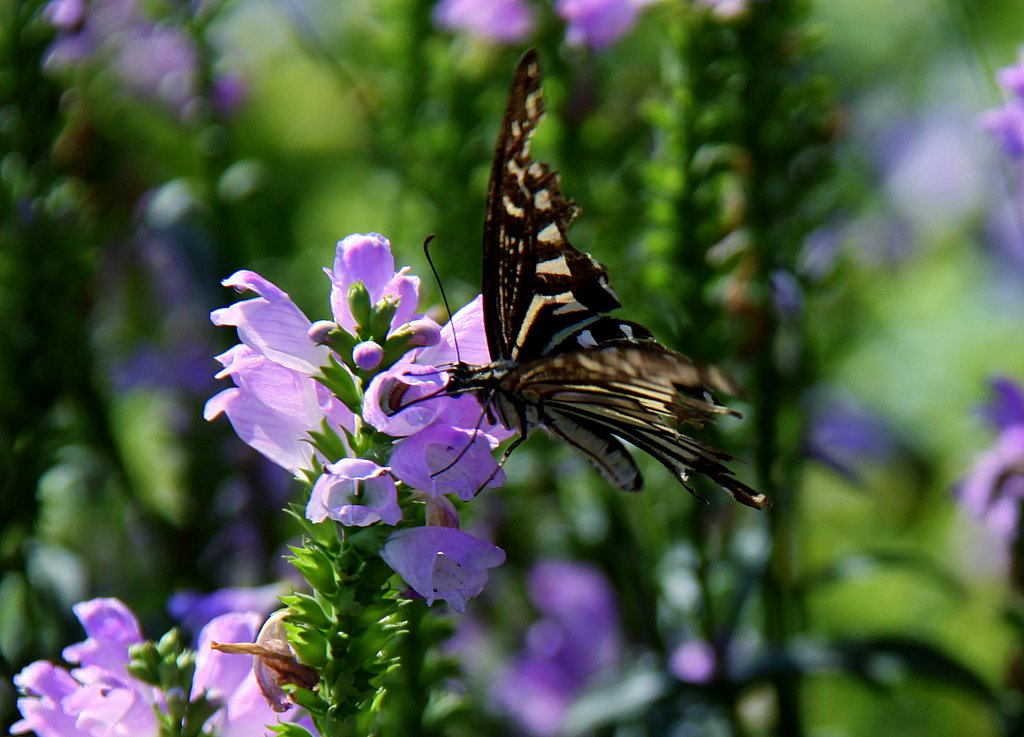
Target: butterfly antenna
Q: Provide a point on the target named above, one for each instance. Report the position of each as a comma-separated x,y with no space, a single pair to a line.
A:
444,297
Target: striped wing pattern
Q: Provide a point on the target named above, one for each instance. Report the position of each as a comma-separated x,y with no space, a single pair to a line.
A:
592,380
640,393
538,287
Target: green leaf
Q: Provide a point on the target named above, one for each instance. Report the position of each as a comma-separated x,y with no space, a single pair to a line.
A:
316,567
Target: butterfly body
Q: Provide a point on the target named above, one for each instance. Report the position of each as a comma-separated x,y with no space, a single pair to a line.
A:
559,361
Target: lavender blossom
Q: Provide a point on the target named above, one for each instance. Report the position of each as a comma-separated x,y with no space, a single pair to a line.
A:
438,444
993,489
694,661
427,461
1006,123
598,23
100,697
577,636
196,610
274,408
355,492
152,59
442,563
499,21
367,258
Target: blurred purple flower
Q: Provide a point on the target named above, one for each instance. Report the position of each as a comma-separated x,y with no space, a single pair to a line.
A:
1006,123
787,295
354,492
577,636
1007,406
501,21
418,459
598,23
195,610
152,58
367,258
442,563
694,662
843,434
99,698
993,489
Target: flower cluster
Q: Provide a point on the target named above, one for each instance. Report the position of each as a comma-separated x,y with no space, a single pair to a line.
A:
357,405
577,636
155,59
103,694
593,23
993,490
1006,123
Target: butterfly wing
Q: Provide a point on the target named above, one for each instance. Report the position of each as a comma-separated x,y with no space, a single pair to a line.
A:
641,393
538,289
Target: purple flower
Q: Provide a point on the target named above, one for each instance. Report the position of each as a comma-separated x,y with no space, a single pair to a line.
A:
843,434
273,408
577,636
993,489
271,325
99,698
500,21
694,662
275,403
355,492
367,259
1007,406
195,610
152,59
598,23
1006,123
418,459
442,563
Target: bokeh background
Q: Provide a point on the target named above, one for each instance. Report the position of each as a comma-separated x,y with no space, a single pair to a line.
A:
802,193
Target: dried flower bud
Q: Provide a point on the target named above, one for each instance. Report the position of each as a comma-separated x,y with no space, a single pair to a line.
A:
276,663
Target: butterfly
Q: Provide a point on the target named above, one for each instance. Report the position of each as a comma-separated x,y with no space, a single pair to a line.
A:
559,361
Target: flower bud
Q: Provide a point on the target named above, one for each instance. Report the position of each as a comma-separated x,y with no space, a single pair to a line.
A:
359,304
425,333
320,331
367,355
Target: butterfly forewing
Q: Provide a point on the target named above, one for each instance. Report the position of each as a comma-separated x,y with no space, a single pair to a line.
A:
537,286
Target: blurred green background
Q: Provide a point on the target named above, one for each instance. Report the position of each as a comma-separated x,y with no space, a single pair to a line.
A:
122,211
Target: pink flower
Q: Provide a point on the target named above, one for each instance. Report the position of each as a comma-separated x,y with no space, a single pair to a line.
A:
501,21
100,699
598,23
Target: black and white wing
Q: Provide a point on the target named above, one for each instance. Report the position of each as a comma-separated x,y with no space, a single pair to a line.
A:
538,289
641,393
